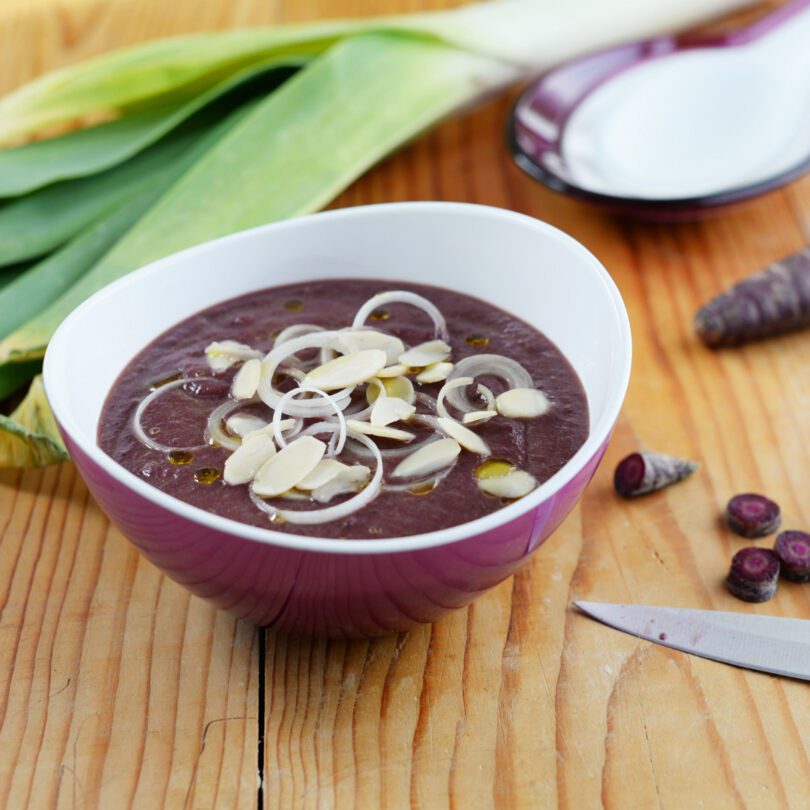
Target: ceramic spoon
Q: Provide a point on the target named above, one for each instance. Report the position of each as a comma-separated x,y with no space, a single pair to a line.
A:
674,127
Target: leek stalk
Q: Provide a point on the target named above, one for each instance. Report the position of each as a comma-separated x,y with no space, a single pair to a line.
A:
370,86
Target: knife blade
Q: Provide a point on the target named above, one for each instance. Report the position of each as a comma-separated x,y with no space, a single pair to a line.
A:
767,643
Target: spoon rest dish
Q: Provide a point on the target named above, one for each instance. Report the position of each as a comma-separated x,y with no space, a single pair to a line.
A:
674,128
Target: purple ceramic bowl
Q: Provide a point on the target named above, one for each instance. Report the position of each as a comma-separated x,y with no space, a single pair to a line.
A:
345,588
722,117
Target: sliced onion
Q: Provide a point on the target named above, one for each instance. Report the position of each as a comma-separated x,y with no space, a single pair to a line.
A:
394,452
340,510
271,397
296,330
450,385
284,407
427,419
137,427
487,396
426,400
214,431
325,427
477,365
403,297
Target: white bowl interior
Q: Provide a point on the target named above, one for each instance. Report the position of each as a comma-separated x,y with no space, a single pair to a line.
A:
515,262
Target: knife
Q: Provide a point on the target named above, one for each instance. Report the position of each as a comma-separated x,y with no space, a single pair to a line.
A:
767,643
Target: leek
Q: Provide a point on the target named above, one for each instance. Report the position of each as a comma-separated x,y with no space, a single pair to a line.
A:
529,35
93,149
370,86
29,437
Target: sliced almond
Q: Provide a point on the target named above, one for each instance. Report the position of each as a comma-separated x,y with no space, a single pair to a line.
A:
522,403
289,466
390,409
247,379
383,432
515,484
349,479
222,354
400,387
436,372
464,436
347,370
372,339
243,464
397,370
428,459
426,354
241,424
325,470
474,417
268,429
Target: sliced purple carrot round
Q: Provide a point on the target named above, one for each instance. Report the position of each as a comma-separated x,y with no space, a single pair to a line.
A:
753,575
793,549
752,515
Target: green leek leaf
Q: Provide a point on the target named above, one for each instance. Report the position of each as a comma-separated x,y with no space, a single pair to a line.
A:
154,73
29,437
28,342
38,286
94,149
273,164
14,376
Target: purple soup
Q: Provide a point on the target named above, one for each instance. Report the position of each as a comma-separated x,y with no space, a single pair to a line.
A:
480,410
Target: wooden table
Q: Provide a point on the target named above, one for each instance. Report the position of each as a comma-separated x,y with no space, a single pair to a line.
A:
119,690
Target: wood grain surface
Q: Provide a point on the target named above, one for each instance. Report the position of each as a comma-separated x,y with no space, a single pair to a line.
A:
119,690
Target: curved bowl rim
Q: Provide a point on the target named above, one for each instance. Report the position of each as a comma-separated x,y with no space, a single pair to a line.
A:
597,435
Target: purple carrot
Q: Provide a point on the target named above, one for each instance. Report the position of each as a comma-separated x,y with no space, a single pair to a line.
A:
793,549
770,302
753,575
640,473
752,515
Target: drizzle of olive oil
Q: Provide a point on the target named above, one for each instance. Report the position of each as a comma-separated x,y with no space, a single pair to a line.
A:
494,468
477,340
177,375
294,304
380,315
180,457
423,489
207,475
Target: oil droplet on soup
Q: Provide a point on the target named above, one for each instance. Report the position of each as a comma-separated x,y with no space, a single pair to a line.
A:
477,340
380,315
294,304
494,468
180,457
207,475
177,375
423,489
